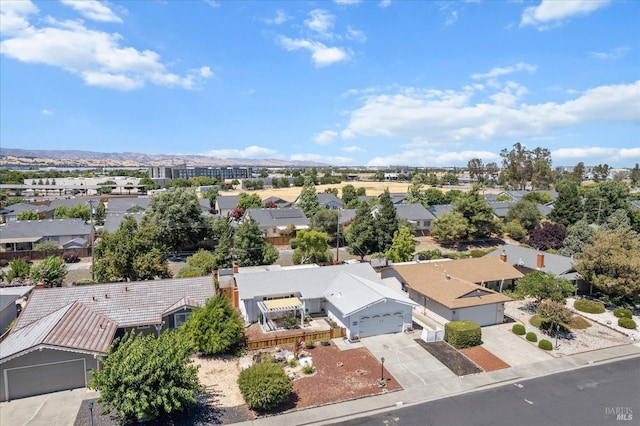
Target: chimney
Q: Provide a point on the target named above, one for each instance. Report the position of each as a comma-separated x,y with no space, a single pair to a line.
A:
503,256
540,261
40,285
235,268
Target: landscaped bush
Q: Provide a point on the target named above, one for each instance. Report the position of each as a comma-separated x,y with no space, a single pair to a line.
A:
622,313
531,336
290,321
462,334
309,344
308,369
579,323
477,253
545,344
589,306
293,363
519,329
627,323
535,321
265,385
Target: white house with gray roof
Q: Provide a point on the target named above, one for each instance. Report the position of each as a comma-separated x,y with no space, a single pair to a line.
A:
352,295
26,234
273,221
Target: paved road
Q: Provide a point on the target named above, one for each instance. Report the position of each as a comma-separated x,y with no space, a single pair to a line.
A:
591,396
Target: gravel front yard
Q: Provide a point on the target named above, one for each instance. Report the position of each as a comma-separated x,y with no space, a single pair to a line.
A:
597,336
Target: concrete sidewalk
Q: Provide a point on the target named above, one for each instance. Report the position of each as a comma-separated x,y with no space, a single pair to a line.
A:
445,386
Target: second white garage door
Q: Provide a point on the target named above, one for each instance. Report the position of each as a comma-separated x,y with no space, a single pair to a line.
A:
371,325
44,378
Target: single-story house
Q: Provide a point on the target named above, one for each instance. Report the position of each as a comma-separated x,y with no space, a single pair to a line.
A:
127,205
279,202
26,234
274,221
458,289
527,260
225,204
330,201
352,295
417,216
12,299
61,332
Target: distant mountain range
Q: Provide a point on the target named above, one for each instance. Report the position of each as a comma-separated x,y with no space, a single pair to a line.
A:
15,157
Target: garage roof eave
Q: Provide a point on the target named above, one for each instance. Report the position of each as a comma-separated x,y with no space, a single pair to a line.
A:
362,308
52,347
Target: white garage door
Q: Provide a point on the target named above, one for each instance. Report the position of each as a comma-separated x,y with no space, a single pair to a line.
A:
371,325
44,378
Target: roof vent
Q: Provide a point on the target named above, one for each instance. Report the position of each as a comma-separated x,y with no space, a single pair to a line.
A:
106,295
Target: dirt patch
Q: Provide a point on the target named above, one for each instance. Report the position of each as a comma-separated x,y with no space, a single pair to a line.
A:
450,357
484,359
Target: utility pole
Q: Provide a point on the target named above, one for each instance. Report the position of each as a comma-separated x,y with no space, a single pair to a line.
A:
93,231
338,239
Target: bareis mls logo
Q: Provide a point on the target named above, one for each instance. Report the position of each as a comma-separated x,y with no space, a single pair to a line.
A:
620,413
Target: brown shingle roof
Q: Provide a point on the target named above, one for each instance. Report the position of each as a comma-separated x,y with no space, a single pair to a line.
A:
448,282
128,304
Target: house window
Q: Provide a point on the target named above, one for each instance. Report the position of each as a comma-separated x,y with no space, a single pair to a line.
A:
181,318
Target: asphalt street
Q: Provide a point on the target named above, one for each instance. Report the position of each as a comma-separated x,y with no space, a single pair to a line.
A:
601,395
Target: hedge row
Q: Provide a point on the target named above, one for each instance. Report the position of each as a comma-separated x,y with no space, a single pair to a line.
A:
462,334
589,306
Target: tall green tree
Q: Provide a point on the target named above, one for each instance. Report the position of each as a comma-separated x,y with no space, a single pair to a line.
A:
348,193
223,252
360,233
249,201
130,253
476,169
579,235
311,247
479,214
51,271
402,247
28,215
450,227
611,263
433,197
19,269
215,328
526,213
415,191
567,209
178,216
78,211
386,222
326,221
202,259
602,199
635,176
308,201
144,377
249,246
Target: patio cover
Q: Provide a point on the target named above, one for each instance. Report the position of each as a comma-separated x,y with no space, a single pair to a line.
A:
267,307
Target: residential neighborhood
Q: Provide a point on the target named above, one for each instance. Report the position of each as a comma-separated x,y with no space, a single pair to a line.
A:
367,284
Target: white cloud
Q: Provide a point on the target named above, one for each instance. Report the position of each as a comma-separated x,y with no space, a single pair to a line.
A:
326,137
500,71
98,57
352,148
428,117
452,18
552,13
595,155
14,16
46,112
321,22
248,92
385,3
322,159
347,1
430,157
93,9
253,151
280,18
611,54
357,35
321,54
212,3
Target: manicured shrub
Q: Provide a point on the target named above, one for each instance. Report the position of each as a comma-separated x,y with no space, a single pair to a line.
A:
477,253
531,336
622,313
265,385
519,329
462,334
309,344
627,323
545,344
589,306
308,369
535,320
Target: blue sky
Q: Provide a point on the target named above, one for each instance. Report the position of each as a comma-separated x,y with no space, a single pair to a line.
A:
419,83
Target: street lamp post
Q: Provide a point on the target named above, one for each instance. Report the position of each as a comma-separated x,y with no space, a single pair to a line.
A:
93,231
382,369
90,404
557,332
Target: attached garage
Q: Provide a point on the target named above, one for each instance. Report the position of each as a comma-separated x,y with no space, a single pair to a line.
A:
367,308
55,353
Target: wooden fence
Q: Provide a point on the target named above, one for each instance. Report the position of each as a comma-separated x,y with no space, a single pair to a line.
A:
279,241
291,339
39,255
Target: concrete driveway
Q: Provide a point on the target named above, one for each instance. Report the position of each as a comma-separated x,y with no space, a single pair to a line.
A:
58,408
512,349
408,362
